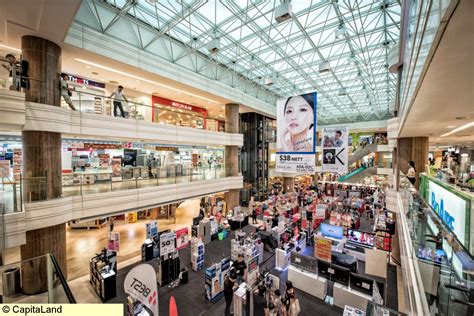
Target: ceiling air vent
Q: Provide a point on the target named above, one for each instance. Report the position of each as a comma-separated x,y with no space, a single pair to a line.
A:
283,12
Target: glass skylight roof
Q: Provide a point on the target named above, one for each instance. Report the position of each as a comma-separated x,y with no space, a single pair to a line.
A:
255,46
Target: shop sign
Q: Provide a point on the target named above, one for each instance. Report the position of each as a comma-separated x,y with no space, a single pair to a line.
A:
101,146
168,148
140,283
182,238
178,105
322,248
86,82
450,208
167,243
76,145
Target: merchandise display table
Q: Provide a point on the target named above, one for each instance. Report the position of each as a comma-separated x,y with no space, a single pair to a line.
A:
343,295
282,258
308,282
234,225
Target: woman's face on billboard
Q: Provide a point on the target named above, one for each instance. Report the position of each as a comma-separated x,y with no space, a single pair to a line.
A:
299,115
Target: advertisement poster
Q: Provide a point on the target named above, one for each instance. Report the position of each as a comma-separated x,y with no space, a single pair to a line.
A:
321,211
114,241
140,283
151,230
296,134
116,169
5,168
322,248
182,238
335,149
167,243
252,272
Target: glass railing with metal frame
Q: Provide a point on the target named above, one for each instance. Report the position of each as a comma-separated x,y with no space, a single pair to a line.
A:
80,183
38,280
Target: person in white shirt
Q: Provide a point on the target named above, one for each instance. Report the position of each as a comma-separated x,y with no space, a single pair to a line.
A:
118,97
66,92
411,174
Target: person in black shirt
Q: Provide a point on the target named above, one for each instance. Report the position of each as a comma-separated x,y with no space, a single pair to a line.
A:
239,267
275,218
229,285
254,215
260,306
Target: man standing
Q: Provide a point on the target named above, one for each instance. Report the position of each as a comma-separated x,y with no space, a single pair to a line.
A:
229,285
337,139
118,97
240,267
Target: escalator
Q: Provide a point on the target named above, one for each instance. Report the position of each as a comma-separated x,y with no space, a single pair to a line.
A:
362,152
358,174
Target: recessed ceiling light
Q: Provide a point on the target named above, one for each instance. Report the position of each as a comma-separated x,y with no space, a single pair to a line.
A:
450,126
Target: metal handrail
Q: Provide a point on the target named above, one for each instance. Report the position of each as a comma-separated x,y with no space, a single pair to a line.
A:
62,279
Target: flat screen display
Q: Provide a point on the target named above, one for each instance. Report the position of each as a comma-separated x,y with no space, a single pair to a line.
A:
340,275
362,284
331,231
363,238
431,254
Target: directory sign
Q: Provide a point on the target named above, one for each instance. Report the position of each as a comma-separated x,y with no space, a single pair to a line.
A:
450,208
296,134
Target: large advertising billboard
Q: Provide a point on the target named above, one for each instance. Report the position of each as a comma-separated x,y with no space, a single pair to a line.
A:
334,145
296,134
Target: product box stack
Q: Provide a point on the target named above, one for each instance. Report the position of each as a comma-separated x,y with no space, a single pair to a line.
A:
197,254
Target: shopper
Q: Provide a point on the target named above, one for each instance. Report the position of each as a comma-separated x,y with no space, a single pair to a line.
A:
229,286
240,268
274,304
260,306
275,217
18,72
118,98
66,91
254,215
411,174
111,224
294,309
286,297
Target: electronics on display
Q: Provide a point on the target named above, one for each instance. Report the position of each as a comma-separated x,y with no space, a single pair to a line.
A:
334,272
450,208
304,262
331,231
362,284
431,254
363,238
296,134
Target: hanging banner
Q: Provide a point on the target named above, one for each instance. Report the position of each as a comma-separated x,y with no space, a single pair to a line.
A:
167,243
252,270
151,230
322,248
4,168
113,242
140,283
182,238
296,134
335,149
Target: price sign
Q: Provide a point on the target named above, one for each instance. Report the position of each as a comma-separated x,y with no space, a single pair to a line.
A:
296,163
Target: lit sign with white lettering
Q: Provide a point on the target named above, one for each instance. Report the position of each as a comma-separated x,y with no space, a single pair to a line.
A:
450,208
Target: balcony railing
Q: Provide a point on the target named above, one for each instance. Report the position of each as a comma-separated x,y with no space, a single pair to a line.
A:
41,276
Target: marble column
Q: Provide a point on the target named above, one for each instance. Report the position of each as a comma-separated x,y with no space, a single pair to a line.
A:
42,163
412,149
288,184
232,197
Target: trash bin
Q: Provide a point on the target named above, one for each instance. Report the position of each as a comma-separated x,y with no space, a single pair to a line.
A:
11,282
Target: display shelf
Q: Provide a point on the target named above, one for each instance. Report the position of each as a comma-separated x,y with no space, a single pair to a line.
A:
102,273
17,164
197,254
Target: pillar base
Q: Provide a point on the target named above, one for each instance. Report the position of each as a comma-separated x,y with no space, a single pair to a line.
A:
39,242
232,198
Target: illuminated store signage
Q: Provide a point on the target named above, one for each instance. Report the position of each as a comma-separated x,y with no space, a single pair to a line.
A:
84,81
450,208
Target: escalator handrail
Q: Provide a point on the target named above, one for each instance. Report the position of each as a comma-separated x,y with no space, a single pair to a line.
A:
62,279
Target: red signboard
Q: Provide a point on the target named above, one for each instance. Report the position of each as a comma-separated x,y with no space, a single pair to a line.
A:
178,105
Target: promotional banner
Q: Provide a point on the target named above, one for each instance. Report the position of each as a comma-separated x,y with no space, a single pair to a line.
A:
113,241
182,238
335,149
140,283
296,134
322,248
321,211
151,230
167,245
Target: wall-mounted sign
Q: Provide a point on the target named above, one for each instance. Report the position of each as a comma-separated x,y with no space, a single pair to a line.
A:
101,146
178,105
84,81
450,208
